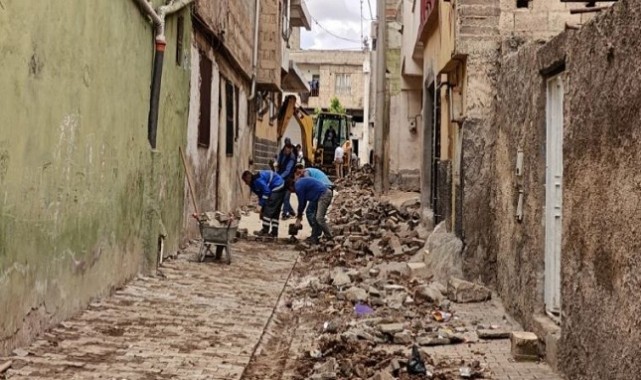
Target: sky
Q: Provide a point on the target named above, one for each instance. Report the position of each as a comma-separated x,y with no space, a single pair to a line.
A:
339,17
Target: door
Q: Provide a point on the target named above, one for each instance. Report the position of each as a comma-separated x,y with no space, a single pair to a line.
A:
553,195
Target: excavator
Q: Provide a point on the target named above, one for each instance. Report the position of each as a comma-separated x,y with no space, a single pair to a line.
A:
318,141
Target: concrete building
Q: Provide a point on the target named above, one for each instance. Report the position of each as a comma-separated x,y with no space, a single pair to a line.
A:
278,73
343,74
234,97
87,199
456,53
404,103
219,133
484,156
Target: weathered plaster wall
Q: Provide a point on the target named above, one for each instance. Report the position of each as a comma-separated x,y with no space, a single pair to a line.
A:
520,122
600,267
233,21
83,200
478,39
270,44
405,140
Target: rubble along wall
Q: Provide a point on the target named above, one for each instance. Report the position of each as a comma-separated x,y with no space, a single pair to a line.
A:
600,269
83,199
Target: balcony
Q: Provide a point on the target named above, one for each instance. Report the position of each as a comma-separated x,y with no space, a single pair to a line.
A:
300,17
427,13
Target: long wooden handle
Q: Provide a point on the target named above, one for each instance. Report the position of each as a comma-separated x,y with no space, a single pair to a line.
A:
191,189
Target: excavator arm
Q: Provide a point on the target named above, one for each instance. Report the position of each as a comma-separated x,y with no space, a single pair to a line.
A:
305,122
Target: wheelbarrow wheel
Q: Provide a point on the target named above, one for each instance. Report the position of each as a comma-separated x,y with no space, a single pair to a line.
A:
219,252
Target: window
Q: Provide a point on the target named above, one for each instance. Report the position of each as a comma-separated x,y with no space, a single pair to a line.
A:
237,102
522,3
229,118
180,31
343,84
314,85
204,123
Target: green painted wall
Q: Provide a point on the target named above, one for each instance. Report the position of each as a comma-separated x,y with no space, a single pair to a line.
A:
83,198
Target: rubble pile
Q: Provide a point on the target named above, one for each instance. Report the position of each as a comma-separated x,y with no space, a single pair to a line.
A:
375,300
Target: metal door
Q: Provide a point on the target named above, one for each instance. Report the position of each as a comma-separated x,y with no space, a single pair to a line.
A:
553,195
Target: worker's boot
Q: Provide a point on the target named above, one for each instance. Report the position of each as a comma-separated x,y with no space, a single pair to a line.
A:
274,232
263,232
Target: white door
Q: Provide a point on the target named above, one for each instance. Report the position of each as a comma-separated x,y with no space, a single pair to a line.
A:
553,195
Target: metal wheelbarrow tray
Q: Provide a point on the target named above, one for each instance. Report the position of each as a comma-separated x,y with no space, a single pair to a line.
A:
220,237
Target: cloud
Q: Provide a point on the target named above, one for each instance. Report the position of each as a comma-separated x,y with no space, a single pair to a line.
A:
340,24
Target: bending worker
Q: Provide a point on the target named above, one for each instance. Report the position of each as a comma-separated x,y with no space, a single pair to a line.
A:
318,174
270,189
319,197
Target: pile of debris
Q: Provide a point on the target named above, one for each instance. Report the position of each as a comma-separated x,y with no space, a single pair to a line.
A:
378,299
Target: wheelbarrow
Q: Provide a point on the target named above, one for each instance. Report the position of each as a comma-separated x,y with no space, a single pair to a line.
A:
218,234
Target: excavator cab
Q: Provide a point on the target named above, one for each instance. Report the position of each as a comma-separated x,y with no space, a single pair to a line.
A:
330,131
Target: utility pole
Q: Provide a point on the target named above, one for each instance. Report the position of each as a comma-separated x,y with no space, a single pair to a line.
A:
379,126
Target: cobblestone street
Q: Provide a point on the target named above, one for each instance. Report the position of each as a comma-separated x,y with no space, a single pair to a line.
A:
198,321
207,320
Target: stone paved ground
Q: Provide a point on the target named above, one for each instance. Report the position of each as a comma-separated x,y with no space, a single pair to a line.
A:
200,321
494,355
205,320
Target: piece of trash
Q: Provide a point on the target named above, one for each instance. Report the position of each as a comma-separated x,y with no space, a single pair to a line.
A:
330,327
315,354
441,316
416,365
465,372
362,309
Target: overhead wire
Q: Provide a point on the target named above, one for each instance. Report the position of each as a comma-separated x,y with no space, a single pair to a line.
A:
334,35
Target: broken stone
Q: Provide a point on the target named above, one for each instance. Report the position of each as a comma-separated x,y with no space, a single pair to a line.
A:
427,341
418,270
393,288
375,248
492,334
393,269
340,278
353,274
323,376
408,301
403,337
329,366
355,294
419,257
429,294
373,292
374,272
396,300
525,346
391,328
382,376
465,292
346,368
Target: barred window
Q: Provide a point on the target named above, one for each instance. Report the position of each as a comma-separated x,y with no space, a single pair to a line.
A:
343,84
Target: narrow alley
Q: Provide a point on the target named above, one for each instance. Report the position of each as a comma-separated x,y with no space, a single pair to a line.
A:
467,172
273,314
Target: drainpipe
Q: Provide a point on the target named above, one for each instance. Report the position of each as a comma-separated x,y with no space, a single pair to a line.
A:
158,18
255,57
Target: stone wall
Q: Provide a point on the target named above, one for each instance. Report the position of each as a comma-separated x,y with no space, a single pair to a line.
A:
600,269
84,200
